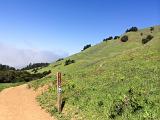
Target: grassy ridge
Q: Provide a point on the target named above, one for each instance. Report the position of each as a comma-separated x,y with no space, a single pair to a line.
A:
111,80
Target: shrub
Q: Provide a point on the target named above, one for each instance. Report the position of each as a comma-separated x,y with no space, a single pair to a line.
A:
131,102
147,39
116,37
86,47
132,29
60,59
117,109
35,65
46,72
124,38
67,62
151,29
6,67
100,103
104,40
12,76
35,70
109,38
141,34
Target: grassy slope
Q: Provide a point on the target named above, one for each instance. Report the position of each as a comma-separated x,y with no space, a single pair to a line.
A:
111,79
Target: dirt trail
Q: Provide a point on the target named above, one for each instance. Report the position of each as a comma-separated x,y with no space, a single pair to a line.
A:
19,103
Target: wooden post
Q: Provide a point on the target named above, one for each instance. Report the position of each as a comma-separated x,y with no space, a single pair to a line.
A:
59,98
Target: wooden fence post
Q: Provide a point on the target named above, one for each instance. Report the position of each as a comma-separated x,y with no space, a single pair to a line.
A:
59,90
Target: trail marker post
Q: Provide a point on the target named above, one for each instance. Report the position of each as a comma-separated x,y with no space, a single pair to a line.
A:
59,90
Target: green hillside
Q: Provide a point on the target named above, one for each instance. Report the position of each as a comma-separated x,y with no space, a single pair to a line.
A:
111,80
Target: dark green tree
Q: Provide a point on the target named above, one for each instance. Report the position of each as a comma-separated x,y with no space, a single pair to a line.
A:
124,38
86,47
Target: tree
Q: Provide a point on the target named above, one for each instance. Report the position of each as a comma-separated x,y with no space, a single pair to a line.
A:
116,37
147,39
35,65
109,38
132,29
67,62
6,67
86,47
124,38
12,76
60,59
151,29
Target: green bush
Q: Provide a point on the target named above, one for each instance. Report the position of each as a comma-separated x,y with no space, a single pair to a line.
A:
109,38
132,29
67,62
151,29
35,70
35,65
46,72
60,59
147,39
124,38
116,37
12,76
6,67
86,47
132,102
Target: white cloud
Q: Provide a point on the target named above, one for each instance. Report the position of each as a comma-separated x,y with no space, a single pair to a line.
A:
13,56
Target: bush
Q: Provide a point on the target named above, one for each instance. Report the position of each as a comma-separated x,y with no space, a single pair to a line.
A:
46,72
67,62
100,103
109,38
35,70
35,65
147,39
60,59
6,67
124,38
116,37
151,29
132,102
132,29
86,47
12,76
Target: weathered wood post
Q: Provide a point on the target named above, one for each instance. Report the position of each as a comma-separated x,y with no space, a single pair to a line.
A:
59,90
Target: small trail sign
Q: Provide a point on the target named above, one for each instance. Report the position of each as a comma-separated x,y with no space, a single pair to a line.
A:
59,90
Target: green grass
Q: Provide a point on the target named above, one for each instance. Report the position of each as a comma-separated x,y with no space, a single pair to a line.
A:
7,85
109,80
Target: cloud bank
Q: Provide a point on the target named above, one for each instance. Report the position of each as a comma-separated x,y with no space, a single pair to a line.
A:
21,57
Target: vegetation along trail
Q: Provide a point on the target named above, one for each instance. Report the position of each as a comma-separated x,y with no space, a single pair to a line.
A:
19,103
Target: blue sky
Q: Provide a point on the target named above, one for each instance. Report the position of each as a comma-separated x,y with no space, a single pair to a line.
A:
65,26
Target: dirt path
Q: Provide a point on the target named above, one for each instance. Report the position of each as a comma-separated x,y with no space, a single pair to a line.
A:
19,103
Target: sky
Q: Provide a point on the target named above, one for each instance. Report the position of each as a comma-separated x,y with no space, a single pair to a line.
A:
45,30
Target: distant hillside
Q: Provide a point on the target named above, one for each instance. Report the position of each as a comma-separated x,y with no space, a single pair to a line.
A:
115,79
11,75
35,65
6,67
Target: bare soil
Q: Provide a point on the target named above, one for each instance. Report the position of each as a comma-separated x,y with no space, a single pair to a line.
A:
19,103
